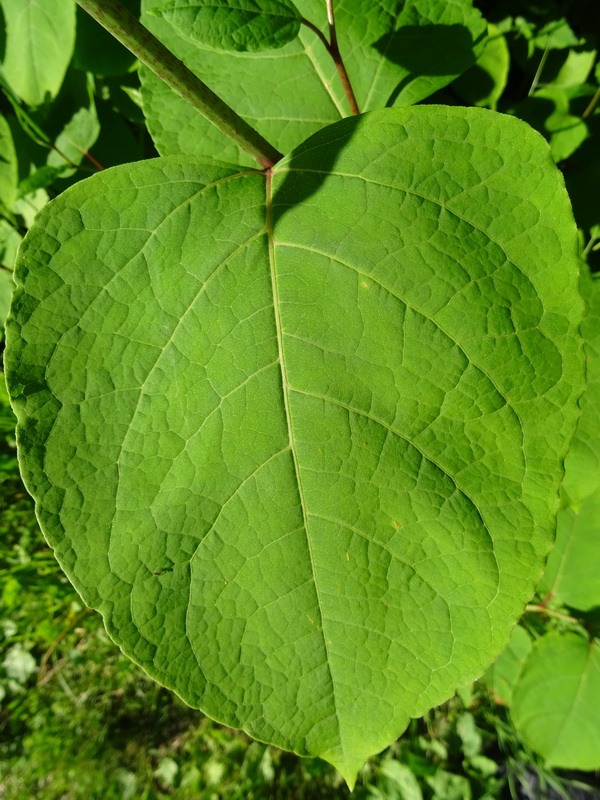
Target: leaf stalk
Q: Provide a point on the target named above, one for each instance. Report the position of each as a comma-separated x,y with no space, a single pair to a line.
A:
332,47
118,21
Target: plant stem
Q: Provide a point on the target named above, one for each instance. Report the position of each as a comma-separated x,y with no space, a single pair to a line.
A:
592,105
538,74
590,245
337,58
144,45
557,614
333,49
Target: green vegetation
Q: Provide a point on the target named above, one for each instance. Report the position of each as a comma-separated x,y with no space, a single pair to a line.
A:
378,342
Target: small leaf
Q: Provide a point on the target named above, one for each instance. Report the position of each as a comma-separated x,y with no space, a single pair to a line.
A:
556,700
556,35
75,139
576,68
299,435
549,111
40,38
238,25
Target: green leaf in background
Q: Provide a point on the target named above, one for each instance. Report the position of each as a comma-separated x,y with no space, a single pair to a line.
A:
28,206
501,676
75,139
10,239
572,576
19,664
398,782
582,465
9,244
73,124
40,38
469,735
555,35
576,68
6,290
401,51
550,111
318,443
556,700
246,26
42,178
484,82
9,170
290,93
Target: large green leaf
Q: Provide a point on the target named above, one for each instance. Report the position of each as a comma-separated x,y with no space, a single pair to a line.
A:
396,52
243,26
299,437
40,40
556,700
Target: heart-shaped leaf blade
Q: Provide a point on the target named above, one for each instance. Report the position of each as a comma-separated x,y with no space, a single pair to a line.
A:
299,435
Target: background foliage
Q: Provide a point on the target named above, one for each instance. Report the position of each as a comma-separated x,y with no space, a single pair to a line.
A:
79,720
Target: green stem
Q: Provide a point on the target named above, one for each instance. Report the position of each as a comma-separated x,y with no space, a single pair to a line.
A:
333,49
337,59
592,105
538,74
125,27
589,246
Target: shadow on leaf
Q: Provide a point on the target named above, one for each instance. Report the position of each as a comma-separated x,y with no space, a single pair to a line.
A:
428,50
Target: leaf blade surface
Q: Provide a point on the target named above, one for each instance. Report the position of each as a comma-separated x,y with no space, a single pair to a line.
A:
305,415
40,41
555,701
247,26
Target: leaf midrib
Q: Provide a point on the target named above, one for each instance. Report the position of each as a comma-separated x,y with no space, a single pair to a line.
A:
285,387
